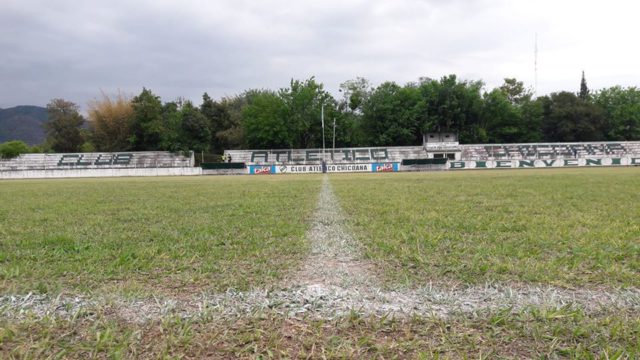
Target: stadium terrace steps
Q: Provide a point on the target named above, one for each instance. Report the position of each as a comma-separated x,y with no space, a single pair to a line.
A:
78,161
314,156
532,151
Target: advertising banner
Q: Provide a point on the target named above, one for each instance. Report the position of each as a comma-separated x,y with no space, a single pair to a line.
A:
317,168
543,163
385,167
262,169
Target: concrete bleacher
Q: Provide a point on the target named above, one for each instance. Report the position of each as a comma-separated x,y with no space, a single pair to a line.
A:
315,156
533,151
150,159
151,163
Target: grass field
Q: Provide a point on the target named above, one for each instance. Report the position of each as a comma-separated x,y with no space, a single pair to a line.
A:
144,239
152,235
560,227
536,333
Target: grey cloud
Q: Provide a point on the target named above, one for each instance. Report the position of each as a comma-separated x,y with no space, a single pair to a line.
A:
74,49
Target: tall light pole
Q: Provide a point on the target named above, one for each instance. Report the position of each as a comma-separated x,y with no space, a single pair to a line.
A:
322,119
334,139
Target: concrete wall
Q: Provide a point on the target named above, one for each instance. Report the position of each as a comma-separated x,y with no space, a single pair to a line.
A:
84,173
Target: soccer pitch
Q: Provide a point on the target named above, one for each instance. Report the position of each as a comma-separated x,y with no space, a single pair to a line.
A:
517,263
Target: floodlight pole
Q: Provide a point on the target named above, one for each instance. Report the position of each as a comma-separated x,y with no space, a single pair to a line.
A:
334,138
322,118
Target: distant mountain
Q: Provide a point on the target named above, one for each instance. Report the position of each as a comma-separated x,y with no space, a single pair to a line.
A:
23,123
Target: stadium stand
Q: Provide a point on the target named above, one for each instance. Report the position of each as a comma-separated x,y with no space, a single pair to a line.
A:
536,151
314,156
440,155
98,164
152,159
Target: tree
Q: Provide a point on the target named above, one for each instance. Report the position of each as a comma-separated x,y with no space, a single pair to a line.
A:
110,120
622,111
225,118
171,138
515,91
501,120
304,101
11,149
196,133
390,115
532,113
63,126
355,93
450,105
264,122
569,118
584,90
147,126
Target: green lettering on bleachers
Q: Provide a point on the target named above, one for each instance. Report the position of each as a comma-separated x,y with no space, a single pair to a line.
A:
263,154
83,163
594,162
312,155
277,153
526,163
616,161
613,148
63,160
384,156
108,161
356,157
122,159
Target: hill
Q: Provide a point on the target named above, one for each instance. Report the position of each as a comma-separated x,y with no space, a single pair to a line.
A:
23,123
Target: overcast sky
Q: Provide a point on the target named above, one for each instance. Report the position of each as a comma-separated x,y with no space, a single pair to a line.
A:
76,49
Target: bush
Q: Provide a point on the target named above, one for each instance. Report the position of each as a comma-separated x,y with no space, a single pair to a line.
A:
11,149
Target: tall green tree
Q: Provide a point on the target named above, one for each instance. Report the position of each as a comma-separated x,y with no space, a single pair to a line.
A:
569,118
355,93
390,115
304,101
584,90
148,123
170,137
225,120
501,120
450,105
64,126
264,122
196,133
518,121
532,113
621,107
515,91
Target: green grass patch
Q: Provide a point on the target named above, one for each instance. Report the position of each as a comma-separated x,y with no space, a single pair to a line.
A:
136,235
565,227
530,333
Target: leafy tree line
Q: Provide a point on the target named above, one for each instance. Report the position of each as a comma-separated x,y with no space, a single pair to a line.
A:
364,115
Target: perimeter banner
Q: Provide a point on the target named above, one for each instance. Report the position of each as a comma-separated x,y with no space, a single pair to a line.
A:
543,163
315,168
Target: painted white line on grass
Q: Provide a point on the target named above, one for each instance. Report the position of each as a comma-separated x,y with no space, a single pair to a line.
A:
334,281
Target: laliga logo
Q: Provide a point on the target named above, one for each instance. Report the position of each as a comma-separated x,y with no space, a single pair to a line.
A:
385,168
263,170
